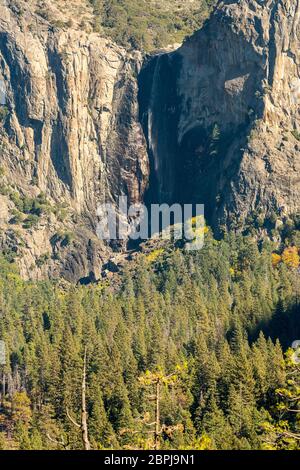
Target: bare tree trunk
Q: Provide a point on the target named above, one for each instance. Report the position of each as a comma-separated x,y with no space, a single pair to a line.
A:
84,425
157,415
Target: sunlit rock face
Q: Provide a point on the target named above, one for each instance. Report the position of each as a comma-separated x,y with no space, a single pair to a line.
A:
221,114
72,131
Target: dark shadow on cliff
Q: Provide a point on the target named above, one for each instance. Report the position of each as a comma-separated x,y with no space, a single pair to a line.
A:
199,162
159,106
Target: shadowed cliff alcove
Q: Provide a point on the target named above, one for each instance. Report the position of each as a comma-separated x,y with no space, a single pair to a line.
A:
198,106
159,113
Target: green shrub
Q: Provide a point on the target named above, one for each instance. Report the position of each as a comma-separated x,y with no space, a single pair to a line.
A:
42,259
63,237
61,212
16,199
145,24
4,189
17,217
27,205
272,218
3,113
296,134
31,221
10,254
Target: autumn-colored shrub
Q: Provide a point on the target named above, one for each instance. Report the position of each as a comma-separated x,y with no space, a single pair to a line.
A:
276,259
291,257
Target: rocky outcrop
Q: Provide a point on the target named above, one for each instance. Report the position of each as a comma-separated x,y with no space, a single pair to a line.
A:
221,114
70,131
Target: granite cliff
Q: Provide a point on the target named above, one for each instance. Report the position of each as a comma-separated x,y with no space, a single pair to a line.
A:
215,121
221,114
70,132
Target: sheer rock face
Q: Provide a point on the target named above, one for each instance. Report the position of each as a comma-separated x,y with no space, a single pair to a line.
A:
228,104
72,132
215,121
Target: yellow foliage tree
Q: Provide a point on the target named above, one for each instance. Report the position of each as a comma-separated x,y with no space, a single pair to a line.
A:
291,257
276,259
20,407
154,255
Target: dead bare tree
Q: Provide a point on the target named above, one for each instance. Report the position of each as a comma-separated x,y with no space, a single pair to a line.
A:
61,443
157,380
2,372
84,416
